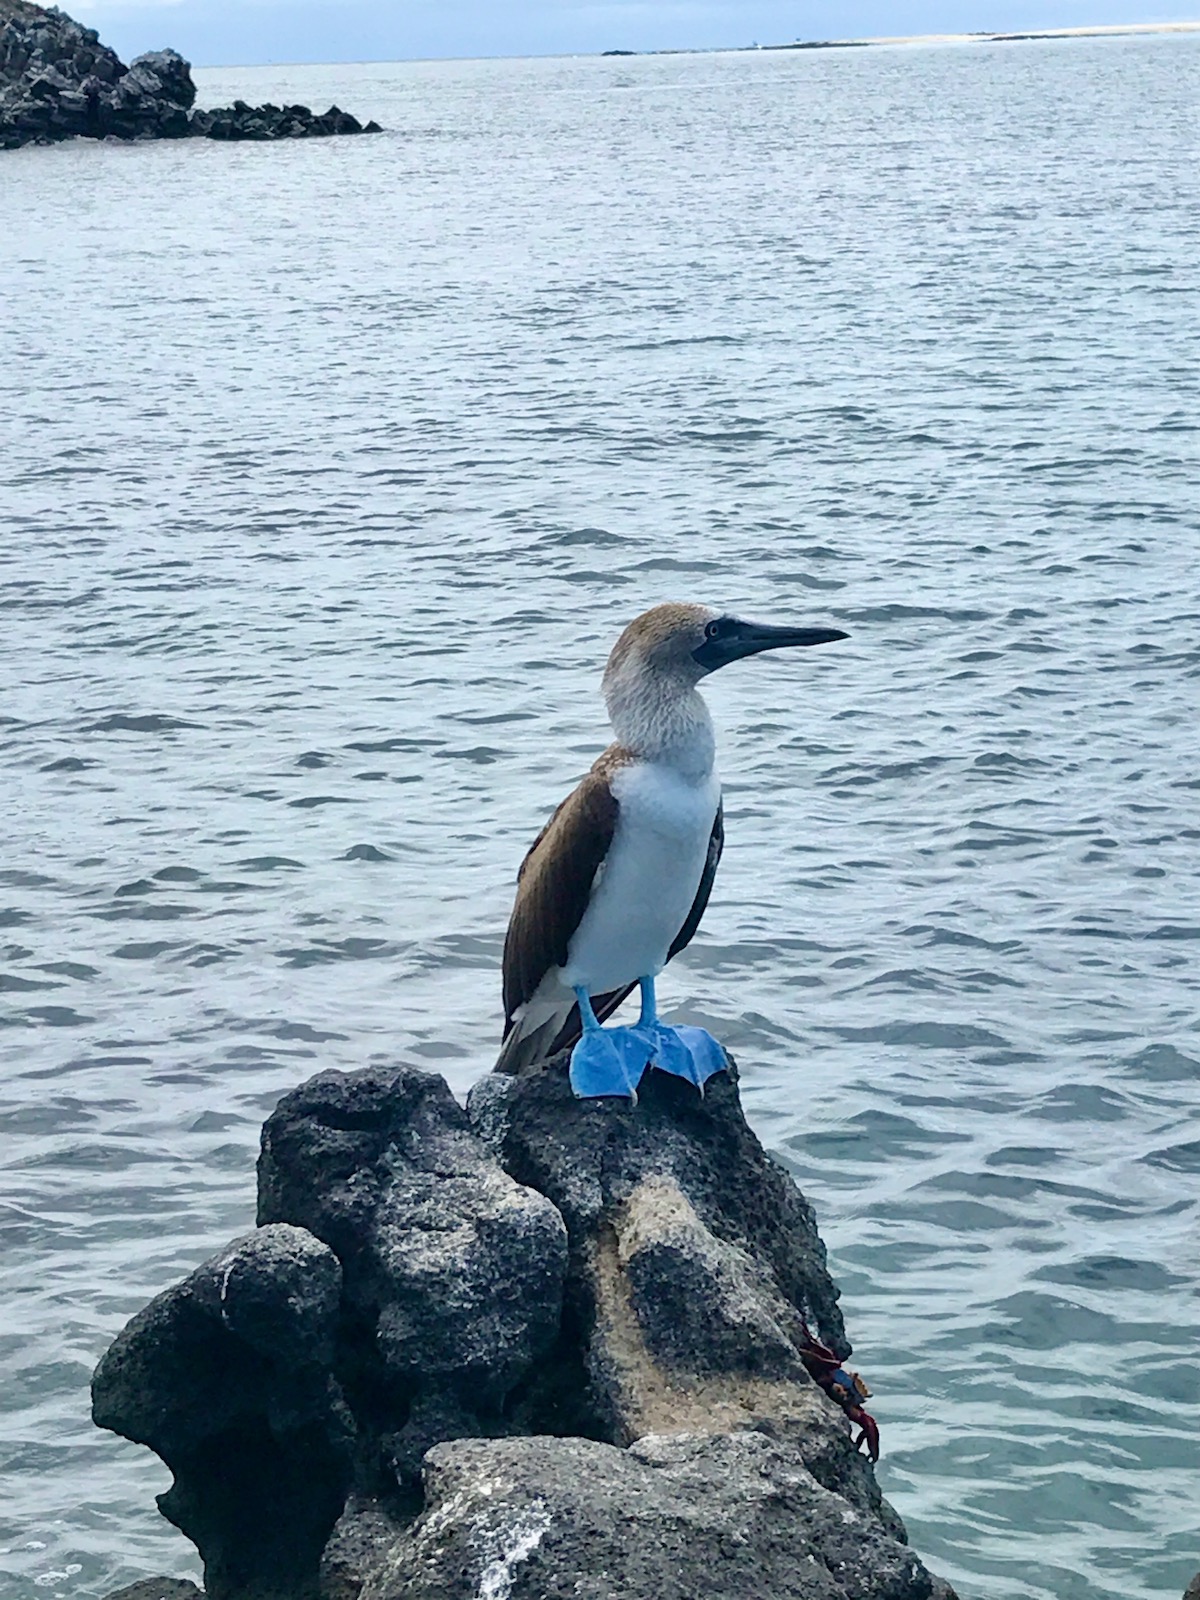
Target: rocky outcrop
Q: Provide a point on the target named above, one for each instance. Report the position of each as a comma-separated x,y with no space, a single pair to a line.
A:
695,1266
673,1517
57,81
229,1377
452,1273
539,1348
242,121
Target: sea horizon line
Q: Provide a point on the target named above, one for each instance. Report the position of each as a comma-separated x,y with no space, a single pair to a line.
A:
980,36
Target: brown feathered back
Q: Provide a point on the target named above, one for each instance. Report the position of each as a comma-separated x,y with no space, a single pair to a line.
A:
554,884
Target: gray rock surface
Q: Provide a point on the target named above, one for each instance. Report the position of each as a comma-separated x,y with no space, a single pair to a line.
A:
359,1544
673,1517
159,1589
695,1266
57,81
535,1349
227,1376
453,1273
1193,1589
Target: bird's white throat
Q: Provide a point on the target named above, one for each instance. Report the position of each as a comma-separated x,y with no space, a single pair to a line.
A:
657,718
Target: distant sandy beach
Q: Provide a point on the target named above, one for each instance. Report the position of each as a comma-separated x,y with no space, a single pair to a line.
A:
1111,30
1104,30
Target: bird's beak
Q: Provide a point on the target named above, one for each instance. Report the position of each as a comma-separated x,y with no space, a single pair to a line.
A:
737,639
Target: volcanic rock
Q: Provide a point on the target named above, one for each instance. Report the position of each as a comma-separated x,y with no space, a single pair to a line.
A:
57,81
228,1377
674,1517
452,1272
159,1589
541,1348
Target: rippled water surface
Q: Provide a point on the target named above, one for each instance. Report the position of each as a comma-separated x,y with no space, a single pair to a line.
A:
331,470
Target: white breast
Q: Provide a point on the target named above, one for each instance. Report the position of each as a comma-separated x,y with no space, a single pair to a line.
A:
649,879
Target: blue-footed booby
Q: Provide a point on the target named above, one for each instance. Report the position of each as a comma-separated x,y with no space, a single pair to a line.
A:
617,881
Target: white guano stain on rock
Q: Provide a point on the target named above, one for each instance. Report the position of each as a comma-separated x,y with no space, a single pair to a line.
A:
511,1546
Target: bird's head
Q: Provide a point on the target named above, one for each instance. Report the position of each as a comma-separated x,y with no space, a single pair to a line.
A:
680,644
660,658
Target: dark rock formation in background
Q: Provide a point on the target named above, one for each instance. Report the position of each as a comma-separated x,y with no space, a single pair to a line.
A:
57,81
537,1349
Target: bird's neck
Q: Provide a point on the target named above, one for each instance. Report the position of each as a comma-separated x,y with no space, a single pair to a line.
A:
657,720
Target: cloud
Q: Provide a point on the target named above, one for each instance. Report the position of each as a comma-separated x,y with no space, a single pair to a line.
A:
95,11
247,31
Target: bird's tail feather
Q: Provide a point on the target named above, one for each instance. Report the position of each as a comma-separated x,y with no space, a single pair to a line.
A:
531,1038
542,1031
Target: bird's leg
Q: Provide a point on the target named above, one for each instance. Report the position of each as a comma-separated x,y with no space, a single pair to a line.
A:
587,1014
606,1061
649,1014
689,1053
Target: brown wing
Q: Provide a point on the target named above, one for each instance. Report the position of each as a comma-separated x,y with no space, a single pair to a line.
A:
554,886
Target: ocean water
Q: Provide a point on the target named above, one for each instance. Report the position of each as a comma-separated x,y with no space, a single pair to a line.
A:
328,474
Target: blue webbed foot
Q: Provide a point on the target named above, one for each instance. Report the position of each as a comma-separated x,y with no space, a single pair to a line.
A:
609,1061
689,1053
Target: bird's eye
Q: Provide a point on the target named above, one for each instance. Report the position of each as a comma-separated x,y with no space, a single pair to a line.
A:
713,630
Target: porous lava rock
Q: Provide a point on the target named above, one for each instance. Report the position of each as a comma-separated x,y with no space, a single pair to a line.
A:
228,1377
695,1261
159,1589
57,81
539,1348
452,1273
673,1517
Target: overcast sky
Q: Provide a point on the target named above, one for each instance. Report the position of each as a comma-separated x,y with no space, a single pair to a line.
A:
225,32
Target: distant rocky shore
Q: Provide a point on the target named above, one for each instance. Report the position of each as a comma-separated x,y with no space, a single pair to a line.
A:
531,1350
57,81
